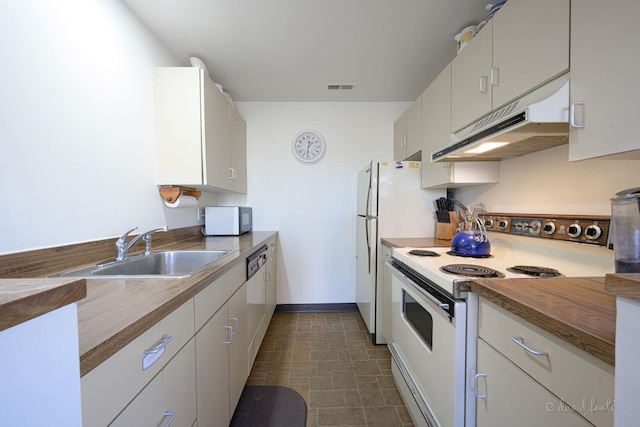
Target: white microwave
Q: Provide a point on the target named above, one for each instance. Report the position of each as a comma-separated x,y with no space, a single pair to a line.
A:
227,220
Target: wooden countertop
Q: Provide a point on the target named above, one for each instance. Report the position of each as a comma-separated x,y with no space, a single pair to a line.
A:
115,312
414,242
624,285
577,310
24,299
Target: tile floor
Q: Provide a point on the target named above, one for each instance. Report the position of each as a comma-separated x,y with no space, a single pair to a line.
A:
330,360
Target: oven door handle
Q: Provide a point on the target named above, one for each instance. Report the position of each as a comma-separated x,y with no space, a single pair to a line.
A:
444,304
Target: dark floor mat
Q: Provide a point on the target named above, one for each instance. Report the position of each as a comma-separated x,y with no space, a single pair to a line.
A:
267,405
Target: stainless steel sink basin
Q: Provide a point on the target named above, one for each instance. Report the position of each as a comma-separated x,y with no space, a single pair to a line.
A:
157,264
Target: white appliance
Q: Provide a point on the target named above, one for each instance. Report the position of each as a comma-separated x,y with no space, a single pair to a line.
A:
391,204
536,121
227,220
434,317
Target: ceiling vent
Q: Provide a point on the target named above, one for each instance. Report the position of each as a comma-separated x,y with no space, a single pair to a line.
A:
341,87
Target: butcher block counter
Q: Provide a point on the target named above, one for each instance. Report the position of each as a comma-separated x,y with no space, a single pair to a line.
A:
577,310
116,311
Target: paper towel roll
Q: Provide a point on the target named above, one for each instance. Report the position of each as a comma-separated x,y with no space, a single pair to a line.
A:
183,202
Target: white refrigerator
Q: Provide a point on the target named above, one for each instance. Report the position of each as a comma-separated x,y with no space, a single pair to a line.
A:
391,203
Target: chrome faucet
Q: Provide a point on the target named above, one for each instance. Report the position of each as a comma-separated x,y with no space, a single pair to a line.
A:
122,247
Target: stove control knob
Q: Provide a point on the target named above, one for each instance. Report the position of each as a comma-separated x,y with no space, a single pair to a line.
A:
549,228
592,232
574,230
488,223
534,227
503,224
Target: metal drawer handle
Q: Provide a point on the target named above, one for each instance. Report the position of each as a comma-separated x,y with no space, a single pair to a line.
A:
475,388
160,345
171,416
235,319
520,342
483,84
230,334
495,76
572,115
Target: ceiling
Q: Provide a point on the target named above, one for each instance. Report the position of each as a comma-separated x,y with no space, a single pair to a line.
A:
291,50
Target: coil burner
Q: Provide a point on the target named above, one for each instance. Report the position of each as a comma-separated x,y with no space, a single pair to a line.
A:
532,270
471,270
422,252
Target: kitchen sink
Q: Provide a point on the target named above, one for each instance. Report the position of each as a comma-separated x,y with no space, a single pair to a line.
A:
157,264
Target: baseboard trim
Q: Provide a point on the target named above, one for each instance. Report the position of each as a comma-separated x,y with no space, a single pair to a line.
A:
316,308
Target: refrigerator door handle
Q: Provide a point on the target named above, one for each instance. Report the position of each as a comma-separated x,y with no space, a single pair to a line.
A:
366,232
368,209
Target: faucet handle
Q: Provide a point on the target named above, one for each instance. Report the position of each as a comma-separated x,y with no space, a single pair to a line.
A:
122,239
121,244
147,239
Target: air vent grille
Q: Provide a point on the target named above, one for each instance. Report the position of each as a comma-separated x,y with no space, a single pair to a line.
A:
341,86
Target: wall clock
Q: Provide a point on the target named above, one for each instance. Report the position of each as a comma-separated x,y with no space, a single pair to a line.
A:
308,147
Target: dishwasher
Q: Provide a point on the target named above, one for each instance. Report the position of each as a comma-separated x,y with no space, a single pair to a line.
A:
256,300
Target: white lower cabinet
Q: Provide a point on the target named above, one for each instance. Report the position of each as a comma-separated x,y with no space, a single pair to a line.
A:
506,396
221,365
169,399
527,375
190,368
111,386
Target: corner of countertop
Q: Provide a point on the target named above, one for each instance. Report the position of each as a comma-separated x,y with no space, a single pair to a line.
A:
24,299
623,285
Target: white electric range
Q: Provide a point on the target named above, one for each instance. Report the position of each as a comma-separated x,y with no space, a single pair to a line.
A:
434,317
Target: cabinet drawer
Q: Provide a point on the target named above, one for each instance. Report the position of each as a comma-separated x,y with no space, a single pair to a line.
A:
214,296
108,388
498,405
169,399
584,382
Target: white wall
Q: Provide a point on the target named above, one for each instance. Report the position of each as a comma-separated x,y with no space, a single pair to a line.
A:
76,114
545,182
313,207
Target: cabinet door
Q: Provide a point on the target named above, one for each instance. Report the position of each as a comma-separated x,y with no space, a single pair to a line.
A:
238,372
512,398
216,133
169,398
212,369
238,141
178,115
414,129
385,299
436,128
400,138
530,46
471,91
604,68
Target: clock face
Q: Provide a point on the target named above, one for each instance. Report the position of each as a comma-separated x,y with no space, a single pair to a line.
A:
308,146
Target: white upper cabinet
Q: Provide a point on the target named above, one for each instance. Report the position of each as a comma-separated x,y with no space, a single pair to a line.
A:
604,68
407,133
523,46
201,139
436,133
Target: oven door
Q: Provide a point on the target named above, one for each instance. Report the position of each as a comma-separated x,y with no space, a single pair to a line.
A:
428,347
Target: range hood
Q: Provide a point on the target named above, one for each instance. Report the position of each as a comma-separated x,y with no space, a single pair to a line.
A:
536,121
